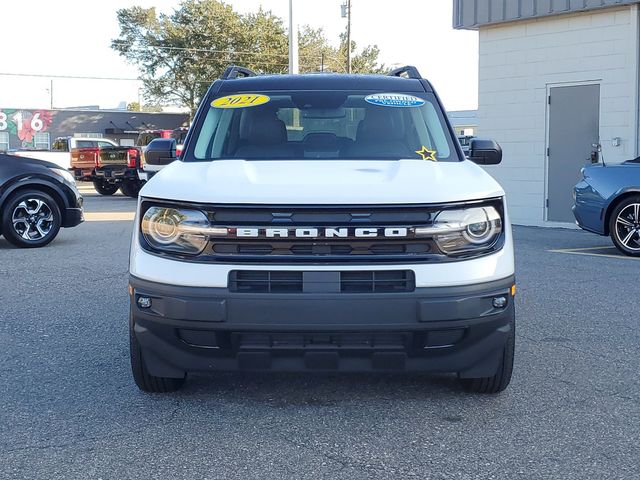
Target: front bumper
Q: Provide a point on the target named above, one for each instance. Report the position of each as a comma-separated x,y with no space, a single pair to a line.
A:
440,329
589,208
73,213
72,217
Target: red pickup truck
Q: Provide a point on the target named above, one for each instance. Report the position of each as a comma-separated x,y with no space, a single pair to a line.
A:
83,166
119,166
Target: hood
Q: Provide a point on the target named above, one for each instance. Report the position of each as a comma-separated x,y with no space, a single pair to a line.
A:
17,160
313,182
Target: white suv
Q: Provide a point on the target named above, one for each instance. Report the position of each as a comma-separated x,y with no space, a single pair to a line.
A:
323,223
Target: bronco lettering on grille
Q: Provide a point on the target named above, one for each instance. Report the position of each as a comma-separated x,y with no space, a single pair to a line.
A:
370,232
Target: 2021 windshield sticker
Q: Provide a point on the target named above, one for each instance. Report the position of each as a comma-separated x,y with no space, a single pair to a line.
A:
241,100
394,100
427,154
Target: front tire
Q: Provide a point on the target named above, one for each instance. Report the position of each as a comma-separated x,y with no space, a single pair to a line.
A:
131,188
624,226
144,380
105,188
31,219
498,382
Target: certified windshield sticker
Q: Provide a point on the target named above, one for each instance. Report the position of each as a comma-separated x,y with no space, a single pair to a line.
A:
394,100
242,100
427,154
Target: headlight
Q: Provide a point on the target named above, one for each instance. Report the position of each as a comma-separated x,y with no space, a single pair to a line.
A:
175,230
471,230
64,174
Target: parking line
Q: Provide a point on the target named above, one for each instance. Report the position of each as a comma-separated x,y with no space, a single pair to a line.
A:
570,250
109,216
589,252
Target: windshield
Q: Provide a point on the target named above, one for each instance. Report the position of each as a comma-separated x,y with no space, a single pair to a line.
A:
342,125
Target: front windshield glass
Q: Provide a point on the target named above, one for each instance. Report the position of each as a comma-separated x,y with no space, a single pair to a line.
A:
341,125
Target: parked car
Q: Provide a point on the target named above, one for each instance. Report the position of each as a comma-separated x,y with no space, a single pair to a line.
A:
37,198
322,223
60,152
607,202
121,167
117,167
84,162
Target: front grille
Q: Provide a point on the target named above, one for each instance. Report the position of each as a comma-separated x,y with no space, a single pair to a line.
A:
346,247
320,249
392,281
265,282
310,249
262,281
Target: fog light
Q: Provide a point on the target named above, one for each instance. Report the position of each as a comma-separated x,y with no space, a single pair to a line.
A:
498,302
145,302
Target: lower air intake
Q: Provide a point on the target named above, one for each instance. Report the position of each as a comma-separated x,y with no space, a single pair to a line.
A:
264,281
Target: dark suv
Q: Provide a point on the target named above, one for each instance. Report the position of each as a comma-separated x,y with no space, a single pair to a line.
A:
37,198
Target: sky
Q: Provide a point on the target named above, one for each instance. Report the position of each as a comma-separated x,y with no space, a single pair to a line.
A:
72,38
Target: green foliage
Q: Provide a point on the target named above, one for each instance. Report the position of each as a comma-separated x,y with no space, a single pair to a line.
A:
363,62
180,54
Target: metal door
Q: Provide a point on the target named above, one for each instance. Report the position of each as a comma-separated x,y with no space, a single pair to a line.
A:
574,132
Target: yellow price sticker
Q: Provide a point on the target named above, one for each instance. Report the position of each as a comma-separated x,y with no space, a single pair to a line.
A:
242,100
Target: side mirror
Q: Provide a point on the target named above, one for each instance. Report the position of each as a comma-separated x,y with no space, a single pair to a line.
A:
160,151
485,152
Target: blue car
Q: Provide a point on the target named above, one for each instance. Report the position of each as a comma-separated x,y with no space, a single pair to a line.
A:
607,202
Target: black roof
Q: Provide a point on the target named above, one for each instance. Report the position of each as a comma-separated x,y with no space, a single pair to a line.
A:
325,81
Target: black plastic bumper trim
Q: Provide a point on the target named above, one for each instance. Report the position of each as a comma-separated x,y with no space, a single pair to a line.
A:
72,217
444,329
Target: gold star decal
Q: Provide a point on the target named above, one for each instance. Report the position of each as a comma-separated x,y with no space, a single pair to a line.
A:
427,154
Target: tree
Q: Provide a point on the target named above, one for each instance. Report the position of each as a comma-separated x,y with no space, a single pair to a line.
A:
364,62
265,42
316,53
180,54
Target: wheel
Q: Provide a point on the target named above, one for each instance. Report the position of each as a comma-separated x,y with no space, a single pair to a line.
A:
145,381
31,219
105,188
502,378
131,188
624,226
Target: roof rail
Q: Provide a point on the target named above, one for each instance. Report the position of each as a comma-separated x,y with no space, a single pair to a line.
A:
407,71
235,71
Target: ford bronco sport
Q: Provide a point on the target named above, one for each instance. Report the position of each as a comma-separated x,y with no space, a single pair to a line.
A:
326,223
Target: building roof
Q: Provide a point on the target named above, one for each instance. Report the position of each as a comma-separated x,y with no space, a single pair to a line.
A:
473,14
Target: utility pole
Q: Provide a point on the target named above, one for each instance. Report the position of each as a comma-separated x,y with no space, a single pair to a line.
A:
293,41
51,94
346,12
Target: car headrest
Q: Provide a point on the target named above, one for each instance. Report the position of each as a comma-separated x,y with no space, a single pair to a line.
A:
379,124
262,127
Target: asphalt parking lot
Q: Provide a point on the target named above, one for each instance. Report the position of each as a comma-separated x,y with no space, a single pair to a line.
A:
69,408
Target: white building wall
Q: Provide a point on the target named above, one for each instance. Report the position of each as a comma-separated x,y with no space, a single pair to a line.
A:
518,63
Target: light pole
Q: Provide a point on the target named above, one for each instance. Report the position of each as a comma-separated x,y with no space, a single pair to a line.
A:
293,41
346,13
